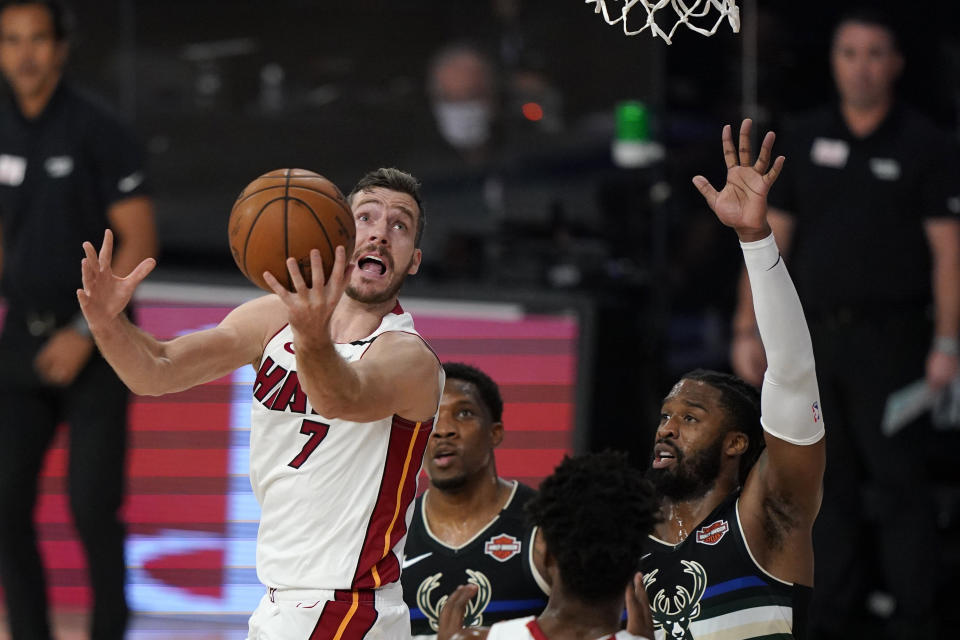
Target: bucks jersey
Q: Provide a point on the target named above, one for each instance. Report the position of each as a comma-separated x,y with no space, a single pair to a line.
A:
499,560
335,495
709,586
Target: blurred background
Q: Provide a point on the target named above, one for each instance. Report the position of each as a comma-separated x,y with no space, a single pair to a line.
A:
529,212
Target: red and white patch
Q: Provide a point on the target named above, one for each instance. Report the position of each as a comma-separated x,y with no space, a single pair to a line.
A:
712,533
502,547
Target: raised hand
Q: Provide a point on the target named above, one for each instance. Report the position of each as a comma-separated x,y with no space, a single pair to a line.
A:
105,295
742,203
309,307
450,624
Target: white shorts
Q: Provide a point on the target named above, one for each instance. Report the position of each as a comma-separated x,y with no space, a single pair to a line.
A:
318,614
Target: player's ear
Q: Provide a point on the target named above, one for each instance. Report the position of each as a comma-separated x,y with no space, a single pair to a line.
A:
415,263
737,443
496,433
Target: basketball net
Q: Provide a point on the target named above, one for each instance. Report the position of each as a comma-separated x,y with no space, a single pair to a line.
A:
693,13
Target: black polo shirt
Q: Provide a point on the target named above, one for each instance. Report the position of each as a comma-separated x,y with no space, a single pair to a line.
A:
859,205
59,173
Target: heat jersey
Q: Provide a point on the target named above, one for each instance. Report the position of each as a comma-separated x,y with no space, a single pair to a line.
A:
709,586
335,496
498,560
527,629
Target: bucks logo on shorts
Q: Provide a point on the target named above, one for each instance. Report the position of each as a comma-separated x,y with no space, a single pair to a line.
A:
674,613
475,608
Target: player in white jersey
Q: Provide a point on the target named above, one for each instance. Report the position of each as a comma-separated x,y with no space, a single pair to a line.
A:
594,512
344,401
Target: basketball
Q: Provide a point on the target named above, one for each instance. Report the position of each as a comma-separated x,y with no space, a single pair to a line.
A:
286,213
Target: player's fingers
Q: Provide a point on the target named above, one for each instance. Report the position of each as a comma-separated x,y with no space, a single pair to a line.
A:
744,144
87,273
106,250
729,153
316,270
339,270
275,285
296,278
771,176
454,610
90,254
704,187
142,270
766,151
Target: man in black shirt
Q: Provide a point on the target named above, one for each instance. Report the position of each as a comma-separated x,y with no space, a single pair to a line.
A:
470,525
68,170
867,211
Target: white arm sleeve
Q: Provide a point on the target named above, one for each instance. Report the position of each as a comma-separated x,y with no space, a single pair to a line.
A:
790,398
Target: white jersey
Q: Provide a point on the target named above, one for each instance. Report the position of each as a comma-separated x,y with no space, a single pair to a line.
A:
335,496
527,629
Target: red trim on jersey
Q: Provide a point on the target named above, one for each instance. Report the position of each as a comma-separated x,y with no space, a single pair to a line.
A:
538,633
397,309
378,565
349,616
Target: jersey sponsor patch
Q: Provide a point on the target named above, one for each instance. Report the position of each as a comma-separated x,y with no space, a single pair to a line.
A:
885,169
828,152
502,547
711,534
12,170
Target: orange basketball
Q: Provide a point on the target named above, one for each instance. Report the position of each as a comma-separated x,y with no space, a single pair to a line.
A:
286,213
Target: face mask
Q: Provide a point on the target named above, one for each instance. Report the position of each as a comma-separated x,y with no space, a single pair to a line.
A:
465,125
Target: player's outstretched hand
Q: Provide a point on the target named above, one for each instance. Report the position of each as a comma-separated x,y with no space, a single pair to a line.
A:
309,307
104,294
742,203
450,625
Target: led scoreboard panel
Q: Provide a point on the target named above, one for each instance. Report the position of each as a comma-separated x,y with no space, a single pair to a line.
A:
191,516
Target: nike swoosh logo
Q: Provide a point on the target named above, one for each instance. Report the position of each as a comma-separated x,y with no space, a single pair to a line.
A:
409,562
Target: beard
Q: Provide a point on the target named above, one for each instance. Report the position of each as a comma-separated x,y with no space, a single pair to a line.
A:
376,297
451,484
688,478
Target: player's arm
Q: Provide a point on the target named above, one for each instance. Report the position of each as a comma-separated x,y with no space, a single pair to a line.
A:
398,374
781,497
943,236
132,220
152,367
746,350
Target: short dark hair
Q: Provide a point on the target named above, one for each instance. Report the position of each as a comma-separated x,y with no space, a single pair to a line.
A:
394,180
486,387
595,512
871,17
742,402
60,15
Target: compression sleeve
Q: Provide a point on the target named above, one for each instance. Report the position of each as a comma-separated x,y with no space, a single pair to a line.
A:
790,398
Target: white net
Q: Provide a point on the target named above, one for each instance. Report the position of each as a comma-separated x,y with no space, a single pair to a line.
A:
698,15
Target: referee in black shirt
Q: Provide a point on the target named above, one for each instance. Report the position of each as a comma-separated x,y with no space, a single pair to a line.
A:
869,223
68,170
